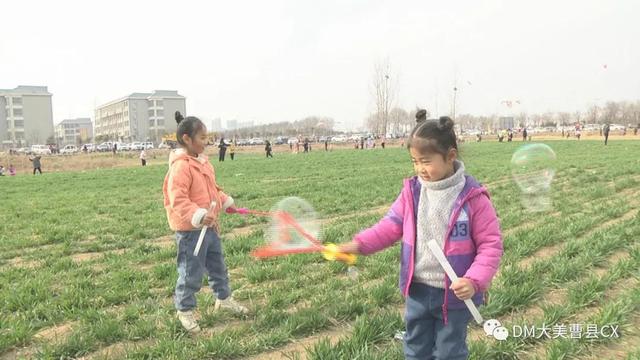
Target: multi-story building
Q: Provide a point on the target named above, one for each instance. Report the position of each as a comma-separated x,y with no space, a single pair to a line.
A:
232,124
26,116
74,131
139,116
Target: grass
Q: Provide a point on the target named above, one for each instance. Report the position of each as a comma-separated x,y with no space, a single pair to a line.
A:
122,293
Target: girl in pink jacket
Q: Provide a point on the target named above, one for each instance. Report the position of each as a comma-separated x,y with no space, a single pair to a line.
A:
444,204
192,200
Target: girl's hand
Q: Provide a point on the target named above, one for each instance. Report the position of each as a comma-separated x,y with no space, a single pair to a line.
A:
211,221
463,288
349,248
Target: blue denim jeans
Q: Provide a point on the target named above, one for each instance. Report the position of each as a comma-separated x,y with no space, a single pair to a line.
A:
427,337
191,268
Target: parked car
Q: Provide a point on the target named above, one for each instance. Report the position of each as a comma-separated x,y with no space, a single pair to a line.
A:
40,150
280,140
137,145
256,141
103,147
148,145
339,139
90,147
124,147
69,149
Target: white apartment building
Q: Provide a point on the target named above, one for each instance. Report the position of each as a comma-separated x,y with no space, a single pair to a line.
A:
139,116
74,131
26,116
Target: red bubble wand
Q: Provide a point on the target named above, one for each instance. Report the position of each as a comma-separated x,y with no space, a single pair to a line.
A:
284,244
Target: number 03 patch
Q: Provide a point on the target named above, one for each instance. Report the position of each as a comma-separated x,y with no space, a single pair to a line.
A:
461,229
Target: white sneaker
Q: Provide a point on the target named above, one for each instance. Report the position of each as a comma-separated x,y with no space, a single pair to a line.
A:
188,321
231,304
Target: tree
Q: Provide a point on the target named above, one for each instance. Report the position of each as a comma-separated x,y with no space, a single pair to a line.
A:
611,112
383,92
521,119
564,118
399,119
592,114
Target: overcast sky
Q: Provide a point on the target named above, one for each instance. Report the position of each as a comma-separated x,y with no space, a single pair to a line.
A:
270,61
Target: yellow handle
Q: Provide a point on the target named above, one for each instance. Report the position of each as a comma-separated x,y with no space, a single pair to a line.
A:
331,253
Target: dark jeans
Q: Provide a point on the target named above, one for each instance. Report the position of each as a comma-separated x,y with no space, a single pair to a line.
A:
144,162
38,169
427,337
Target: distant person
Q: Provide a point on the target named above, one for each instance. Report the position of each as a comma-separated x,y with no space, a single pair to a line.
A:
326,145
36,164
223,150
2,170
635,130
268,149
143,157
232,150
84,148
362,143
12,170
578,133
115,148
297,146
510,136
605,132
382,143
478,138
306,145
524,134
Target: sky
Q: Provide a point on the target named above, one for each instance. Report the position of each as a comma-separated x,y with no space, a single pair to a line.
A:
268,61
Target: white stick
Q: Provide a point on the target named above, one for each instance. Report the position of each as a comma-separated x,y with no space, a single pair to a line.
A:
202,232
437,252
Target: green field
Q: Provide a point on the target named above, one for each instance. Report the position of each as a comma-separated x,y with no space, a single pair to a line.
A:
87,261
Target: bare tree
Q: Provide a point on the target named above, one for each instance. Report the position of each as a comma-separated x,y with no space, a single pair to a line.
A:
383,91
522,119
592,114
398,118
564,118
612,111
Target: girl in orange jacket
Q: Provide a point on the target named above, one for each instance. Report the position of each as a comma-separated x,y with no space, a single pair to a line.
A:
193,199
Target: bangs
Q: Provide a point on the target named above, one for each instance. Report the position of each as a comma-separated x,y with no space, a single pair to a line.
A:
425,146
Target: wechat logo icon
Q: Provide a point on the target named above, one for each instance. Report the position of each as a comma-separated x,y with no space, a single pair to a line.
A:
494,328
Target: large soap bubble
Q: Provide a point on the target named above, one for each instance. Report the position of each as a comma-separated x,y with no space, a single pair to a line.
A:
533,167
282,234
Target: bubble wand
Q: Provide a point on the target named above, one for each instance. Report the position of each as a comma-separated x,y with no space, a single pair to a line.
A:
282,247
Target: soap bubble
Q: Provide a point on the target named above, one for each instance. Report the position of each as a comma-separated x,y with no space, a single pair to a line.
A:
282,235
533,167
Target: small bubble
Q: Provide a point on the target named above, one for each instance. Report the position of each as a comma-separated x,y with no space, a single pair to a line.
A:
352,273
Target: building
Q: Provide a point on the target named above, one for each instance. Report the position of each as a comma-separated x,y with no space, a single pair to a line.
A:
26,116
232,124
216,125
74,131
139,116
506,122
245,124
